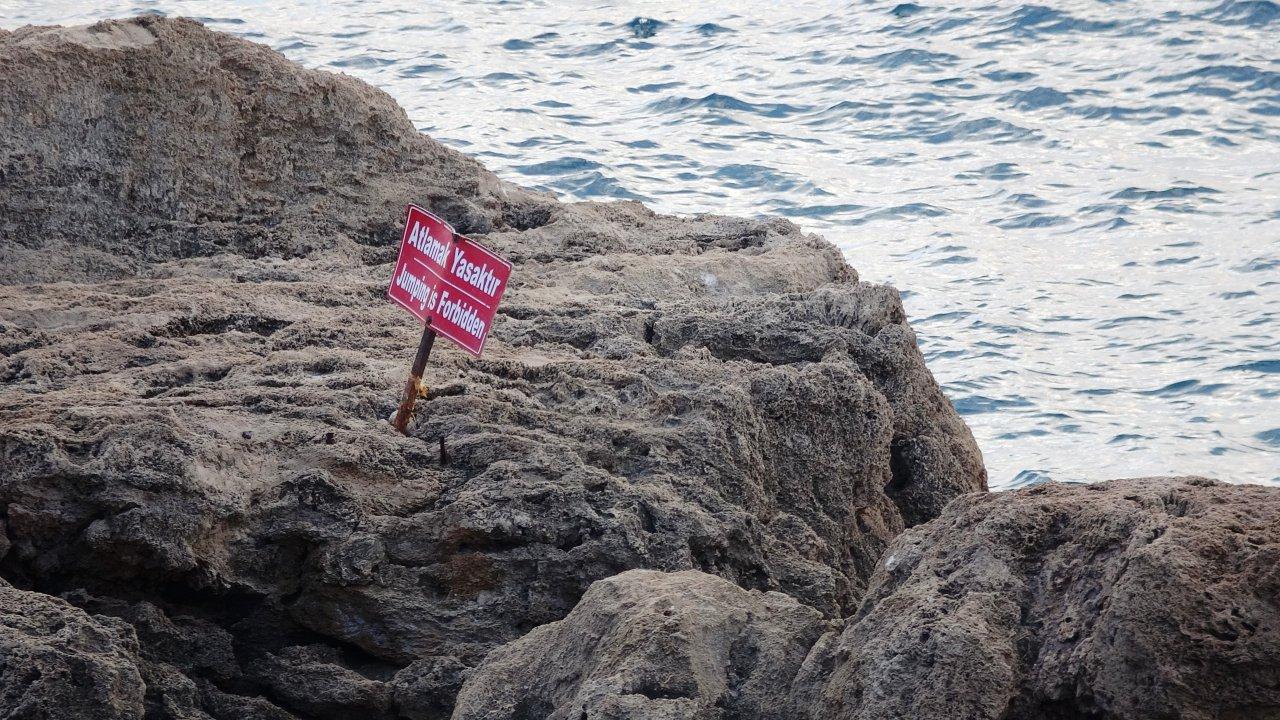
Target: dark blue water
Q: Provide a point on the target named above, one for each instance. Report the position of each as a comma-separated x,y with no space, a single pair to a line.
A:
1080,203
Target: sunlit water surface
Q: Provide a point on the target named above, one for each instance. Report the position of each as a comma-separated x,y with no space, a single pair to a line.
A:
1080,204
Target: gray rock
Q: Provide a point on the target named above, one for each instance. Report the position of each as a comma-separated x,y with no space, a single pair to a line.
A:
1152,598
127,143
195,417
312,680
650,645
425,689
58,661
194,646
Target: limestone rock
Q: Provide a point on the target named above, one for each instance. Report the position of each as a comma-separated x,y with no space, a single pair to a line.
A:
126,143
58,661
650,645
1152,598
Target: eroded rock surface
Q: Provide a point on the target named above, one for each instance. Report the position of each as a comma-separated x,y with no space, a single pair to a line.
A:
128,143
58,661
647,644
1152,598
1133,599
195,238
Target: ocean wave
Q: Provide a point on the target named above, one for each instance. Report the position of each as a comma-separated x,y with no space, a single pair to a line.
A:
1030,21
1254,13
718,101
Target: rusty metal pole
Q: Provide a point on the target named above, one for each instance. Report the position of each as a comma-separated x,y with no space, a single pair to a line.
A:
412,388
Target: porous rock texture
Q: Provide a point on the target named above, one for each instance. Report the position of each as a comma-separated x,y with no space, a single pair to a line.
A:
131,143
195,240
646,644
1132,599
58,661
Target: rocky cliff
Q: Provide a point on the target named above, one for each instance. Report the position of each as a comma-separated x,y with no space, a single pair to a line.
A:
701,471
198,364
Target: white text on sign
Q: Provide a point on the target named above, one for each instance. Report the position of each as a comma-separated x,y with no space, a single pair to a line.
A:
448,280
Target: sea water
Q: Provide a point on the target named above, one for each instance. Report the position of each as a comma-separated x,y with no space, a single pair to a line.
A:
1080,203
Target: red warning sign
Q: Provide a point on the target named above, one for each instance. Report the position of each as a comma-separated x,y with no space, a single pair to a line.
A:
448,280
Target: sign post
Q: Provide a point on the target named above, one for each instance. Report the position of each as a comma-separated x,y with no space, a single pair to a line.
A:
413,387
452,284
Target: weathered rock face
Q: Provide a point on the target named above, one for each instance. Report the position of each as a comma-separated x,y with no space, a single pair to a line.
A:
57,661
1153,598
126,143
646,644
199,444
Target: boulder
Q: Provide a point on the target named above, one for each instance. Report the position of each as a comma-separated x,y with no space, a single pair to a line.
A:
1149,598
651,645
58,661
